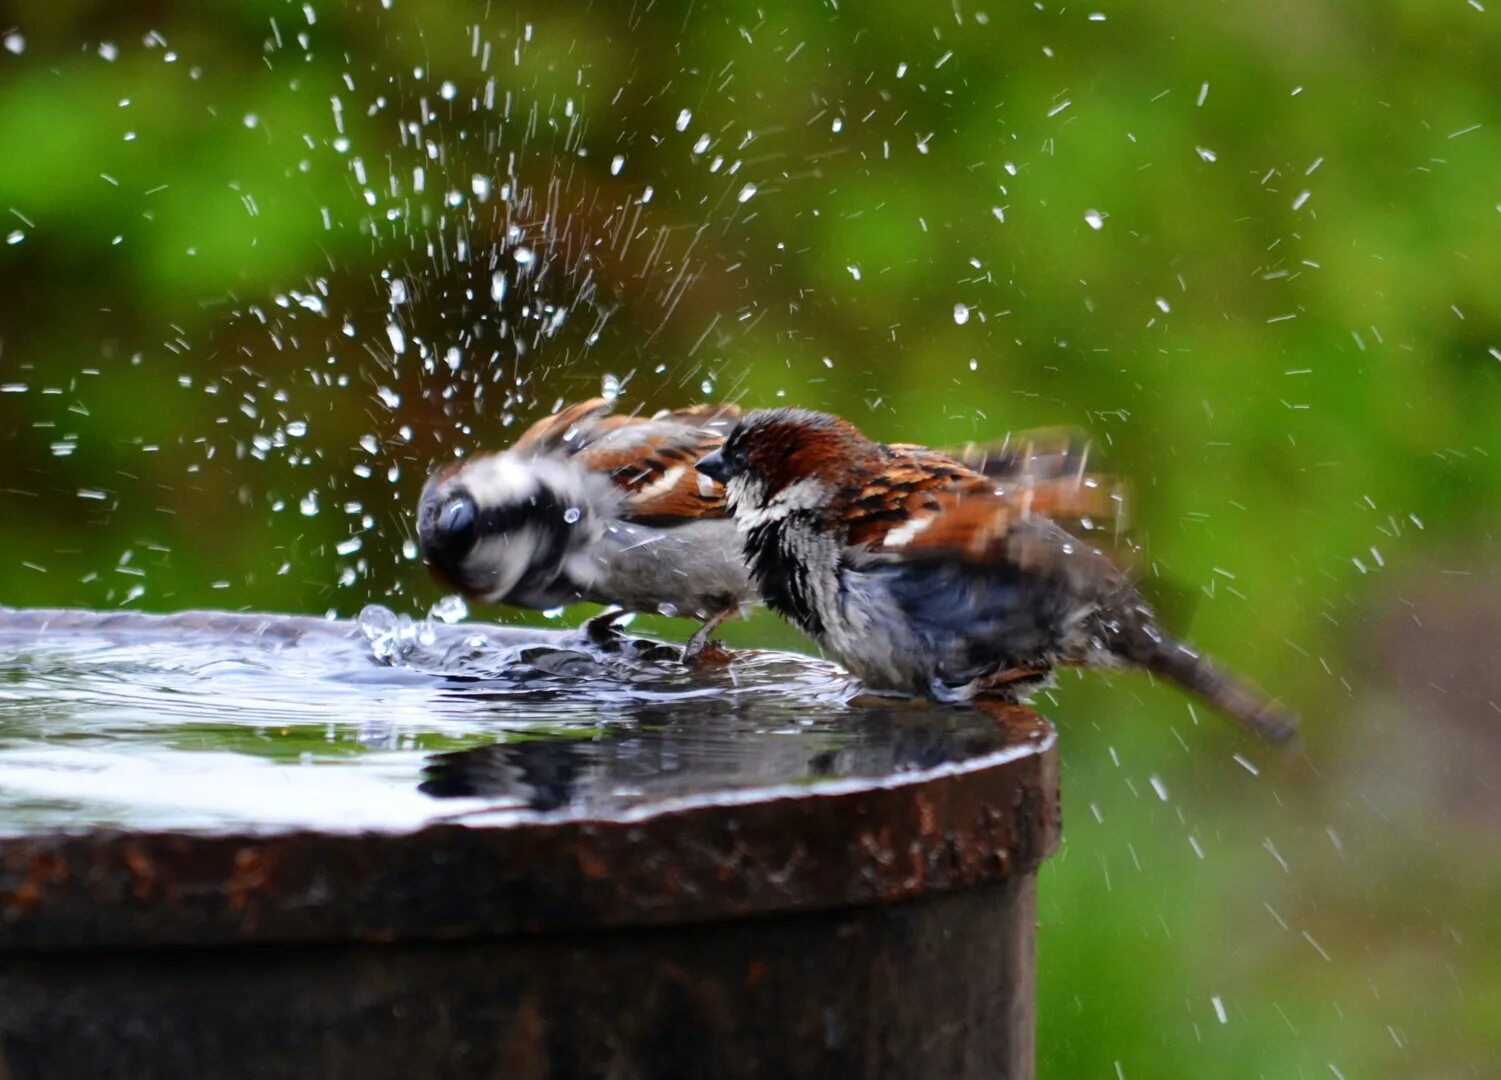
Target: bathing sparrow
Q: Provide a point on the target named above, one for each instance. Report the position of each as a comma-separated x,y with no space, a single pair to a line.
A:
589,506
925,576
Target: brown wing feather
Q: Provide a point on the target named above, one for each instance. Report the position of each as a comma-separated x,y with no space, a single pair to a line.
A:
650,458
908,485
1018,528
925,504
979,526
558,431
1041,454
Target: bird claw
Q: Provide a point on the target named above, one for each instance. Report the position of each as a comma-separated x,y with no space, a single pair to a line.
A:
601,630
706,654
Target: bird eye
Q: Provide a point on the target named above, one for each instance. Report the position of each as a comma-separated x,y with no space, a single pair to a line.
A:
454,527
458,516
739,460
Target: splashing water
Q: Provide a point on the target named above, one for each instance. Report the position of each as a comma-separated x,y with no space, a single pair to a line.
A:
206,720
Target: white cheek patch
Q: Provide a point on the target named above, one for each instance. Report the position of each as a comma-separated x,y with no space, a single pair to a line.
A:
903,535
498,480
743,493
503,560
805,494
748,500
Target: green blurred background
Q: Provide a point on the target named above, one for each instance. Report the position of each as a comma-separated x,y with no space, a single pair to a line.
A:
251,291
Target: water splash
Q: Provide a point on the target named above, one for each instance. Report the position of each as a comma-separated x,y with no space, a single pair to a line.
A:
207,719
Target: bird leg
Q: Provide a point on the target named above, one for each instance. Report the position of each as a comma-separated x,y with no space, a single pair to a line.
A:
700,651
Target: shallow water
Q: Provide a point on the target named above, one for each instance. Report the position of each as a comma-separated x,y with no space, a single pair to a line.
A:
205,721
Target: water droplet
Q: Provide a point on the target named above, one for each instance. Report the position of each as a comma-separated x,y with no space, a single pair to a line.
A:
448,91
309,504
571,515
1094,219
379,626
522,255
961,314
481,186
747,193
616,164
684,119
854,271
1206,153
450,609
497,286
350,546
610,387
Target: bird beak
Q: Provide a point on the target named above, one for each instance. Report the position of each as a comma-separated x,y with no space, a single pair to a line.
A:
713,466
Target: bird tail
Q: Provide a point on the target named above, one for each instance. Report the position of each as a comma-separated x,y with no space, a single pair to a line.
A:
1232,696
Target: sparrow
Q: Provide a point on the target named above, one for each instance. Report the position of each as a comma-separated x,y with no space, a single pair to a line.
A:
590,506
925,576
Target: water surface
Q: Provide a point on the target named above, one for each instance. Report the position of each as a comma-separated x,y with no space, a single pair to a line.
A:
204,721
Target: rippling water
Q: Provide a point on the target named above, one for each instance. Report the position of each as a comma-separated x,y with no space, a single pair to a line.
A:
209,720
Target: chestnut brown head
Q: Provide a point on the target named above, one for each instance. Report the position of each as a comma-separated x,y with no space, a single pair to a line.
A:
779,460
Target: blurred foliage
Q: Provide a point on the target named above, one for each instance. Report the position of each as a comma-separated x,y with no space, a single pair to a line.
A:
1285,330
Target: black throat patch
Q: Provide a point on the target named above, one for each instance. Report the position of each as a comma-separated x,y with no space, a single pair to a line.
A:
781,575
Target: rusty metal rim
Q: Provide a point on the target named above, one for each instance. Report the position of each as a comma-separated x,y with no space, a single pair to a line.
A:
749,853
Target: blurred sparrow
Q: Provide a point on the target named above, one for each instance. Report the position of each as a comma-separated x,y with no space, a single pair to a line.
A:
587,506
922,575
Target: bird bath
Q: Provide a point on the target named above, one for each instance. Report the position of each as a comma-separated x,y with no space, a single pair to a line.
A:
270,844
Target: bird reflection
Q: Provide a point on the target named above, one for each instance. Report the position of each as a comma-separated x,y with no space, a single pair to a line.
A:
537,773
677,752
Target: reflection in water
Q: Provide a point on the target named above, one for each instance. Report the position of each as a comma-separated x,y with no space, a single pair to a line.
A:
673,752
207,720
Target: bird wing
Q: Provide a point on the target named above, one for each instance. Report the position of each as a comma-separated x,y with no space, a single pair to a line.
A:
571,428
906,487
923,499
1041,453
649,459
926,507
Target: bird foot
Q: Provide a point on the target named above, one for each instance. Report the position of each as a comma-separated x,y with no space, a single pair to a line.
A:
706,654
601,629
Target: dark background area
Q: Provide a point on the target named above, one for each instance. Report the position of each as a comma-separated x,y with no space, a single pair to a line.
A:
264,265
